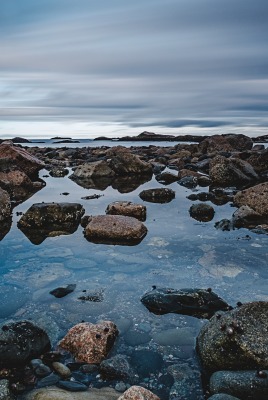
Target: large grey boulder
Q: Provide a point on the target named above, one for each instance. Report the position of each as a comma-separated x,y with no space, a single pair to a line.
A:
231,171
115,229
44,220
236,339
20,342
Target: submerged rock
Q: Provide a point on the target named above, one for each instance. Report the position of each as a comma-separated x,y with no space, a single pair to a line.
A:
243,384
62,292
198,303
115,229
53,393
128,209
89,342
117,367
159,195
44,220
20,342
236,340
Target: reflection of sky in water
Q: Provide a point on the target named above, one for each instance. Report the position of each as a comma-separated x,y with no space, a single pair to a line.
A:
177,252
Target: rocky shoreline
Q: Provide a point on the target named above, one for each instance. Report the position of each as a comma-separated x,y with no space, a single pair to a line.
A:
232,345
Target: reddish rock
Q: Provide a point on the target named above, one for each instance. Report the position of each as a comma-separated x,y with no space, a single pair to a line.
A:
138,393
115,229
128,209
255,197
14,178
18,156
89,342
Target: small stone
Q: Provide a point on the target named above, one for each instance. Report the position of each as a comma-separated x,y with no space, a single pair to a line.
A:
49,380
61,369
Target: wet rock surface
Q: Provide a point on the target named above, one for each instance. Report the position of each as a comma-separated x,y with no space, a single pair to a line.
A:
128,209
255,197
236,339
138,393
54,393
202,212
158,195
115,229
200,303
20,342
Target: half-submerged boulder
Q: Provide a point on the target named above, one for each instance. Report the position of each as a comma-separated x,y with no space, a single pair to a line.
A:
199,303
97,169
158,195
115,229
255,197
20,342
44,220
236,339
202,212
124,163
89,342
128,209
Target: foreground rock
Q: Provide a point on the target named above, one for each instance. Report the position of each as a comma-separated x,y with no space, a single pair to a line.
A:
128,209
53,393
243,384
236,340
198,303
159,195
44,220
115,229
138,393
89,342
246,217
202,212
256,198
20,342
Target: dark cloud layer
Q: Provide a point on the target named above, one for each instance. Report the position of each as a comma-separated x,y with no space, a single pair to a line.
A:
173,64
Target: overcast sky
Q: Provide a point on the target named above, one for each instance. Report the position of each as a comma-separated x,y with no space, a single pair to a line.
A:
114,67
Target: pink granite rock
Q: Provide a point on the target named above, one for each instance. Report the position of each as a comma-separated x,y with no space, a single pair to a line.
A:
138,393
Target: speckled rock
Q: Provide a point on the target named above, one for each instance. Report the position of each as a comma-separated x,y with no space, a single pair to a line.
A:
202,212
236,340
5,205
243,384
123,163
53,393
89,342
128,209
5,393
97,169
138,393
117,367
255,197
115,229
231,171
246,217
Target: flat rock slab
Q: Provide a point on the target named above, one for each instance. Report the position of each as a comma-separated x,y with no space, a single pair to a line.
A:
89,342
128,209
115,229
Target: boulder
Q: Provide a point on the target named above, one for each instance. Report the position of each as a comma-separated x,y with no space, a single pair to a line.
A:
200,303
231,171
243,384
230,142
255,197
115,229
44,220
14,155
259,160
138,393
5,205
159,195
54,393
117,367
166,178
89,342
246,217
123,162
128,209
202,212
20,342
98,169
236,339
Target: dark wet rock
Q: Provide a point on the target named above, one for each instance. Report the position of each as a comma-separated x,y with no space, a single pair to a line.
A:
242,384
73,386
146,362
58,172
115,229
49,380
44,220
166,178
138,393
89,342
231,171
42,370
86,379
259,160
246,217
20,342
158,195
222,396
158,167
198,303
135,338
224,225
230,142
13,296
240,335
204,180
5,393
256,198
5,227
127,208
5,205
123,162
117,367
17,156
92,197
189,182
94,170
187,383
202,212
96,183
56,393
62,292
95,297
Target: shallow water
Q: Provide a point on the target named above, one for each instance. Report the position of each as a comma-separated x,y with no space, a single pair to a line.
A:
178,252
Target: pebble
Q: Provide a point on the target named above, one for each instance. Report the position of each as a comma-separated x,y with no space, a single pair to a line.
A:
49,380
42,370
61,369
